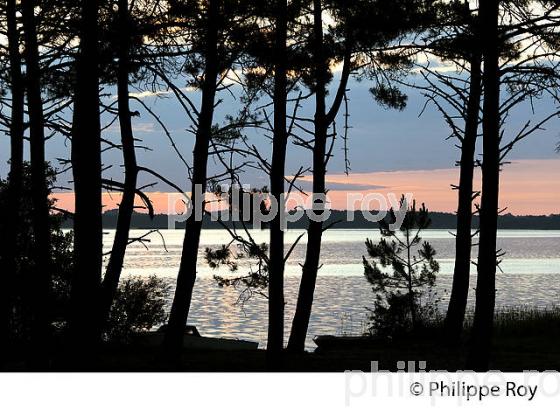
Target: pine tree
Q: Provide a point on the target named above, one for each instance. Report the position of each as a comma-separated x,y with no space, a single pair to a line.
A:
412,269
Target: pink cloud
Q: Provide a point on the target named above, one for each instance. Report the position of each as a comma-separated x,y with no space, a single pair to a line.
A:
528,187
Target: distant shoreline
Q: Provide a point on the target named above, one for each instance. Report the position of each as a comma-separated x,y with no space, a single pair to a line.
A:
341,220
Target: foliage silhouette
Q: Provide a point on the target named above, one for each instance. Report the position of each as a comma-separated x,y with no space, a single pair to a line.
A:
412,270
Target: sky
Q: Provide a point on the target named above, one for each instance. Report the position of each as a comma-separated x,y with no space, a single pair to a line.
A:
522,192
389,152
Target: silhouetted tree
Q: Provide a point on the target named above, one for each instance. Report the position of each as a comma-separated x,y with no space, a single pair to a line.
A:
486,282
22,314
86,167
8,241
39,285
526,72
411,261
323,120
275,342
125,33
214,61
275,67
454,39
138,306
355,38
37,27
463,240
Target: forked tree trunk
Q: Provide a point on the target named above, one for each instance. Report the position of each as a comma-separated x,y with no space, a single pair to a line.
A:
479,355
322,122
126,207
86,167
189,257
9,239
275,342
41,271
463,241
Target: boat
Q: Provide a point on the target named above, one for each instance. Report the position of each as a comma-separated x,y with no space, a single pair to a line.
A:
330,343
192,340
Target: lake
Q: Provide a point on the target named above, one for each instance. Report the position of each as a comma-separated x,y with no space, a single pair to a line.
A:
529,276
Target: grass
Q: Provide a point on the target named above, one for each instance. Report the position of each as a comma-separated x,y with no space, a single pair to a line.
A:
526,320
525,338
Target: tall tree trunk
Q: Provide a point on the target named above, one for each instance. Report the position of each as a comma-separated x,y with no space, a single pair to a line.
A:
315,229
86,166
275,343
463,241
411,304
41,277
486,281
187,269
126,207
12,221
322,122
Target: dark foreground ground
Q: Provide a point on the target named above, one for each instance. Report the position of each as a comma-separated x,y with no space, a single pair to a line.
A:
533,352
524,339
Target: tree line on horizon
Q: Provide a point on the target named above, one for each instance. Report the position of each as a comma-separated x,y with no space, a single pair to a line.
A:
339,220
60,58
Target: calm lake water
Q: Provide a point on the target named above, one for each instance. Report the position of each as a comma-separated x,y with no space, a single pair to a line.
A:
530,276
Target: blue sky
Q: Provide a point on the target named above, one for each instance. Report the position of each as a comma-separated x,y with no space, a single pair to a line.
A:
380,139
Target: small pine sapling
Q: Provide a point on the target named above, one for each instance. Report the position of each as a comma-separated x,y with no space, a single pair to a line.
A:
401,269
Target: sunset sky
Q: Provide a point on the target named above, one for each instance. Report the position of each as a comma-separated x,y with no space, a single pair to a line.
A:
523,192
389,151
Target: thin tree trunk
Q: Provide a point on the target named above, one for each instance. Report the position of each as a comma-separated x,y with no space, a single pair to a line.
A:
315,229
86,166
10,236
126,207
187,269
322,121
275,343
463,241
479,355
409,270
41,277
